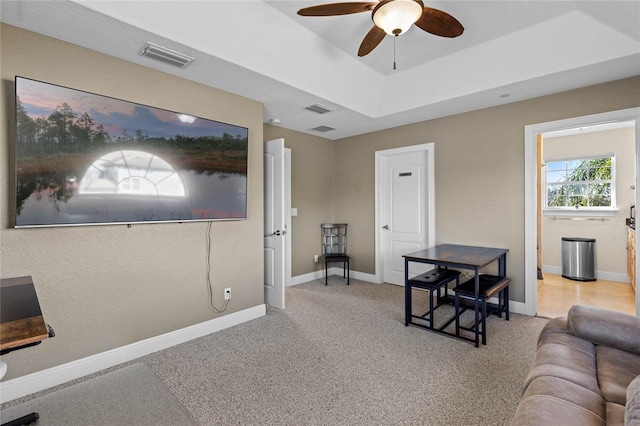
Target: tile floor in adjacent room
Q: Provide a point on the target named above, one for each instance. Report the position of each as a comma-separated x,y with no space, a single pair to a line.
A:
557,294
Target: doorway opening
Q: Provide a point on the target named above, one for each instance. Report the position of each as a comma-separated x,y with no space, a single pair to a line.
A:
533,229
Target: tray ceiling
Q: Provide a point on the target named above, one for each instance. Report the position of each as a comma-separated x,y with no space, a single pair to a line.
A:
510,51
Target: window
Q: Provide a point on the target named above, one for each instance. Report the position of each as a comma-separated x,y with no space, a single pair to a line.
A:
580,183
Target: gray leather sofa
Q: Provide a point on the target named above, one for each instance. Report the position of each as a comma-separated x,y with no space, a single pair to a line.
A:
582,369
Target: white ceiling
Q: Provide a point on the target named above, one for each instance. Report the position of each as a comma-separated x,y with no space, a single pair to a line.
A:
264,51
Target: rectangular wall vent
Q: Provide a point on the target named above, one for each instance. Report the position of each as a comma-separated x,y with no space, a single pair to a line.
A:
323,129
319,108
166,55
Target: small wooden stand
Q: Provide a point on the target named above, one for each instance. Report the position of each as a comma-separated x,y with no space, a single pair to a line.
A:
21,324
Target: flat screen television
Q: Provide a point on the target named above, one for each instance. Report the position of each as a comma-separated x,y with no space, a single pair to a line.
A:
87,159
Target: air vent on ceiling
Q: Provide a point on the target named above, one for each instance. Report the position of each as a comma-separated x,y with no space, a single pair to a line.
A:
166,55
323,129
319,108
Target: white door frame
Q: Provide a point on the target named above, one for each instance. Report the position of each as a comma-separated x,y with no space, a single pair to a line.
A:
431,198
287,217
530,191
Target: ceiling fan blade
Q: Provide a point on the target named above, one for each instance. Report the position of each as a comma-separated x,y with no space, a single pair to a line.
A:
371,40
333,9
440,23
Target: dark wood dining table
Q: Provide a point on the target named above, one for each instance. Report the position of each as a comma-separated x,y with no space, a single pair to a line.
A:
458,257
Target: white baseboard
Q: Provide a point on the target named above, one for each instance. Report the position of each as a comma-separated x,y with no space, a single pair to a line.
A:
40,380
602,275
319,275
370,278
612,276
305,278
515,307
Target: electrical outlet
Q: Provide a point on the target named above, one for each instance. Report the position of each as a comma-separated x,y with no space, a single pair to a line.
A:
315,258
227,293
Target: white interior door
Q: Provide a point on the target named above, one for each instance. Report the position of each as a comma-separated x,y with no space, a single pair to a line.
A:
405,220
274,223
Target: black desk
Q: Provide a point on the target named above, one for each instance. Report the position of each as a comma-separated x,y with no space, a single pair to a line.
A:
21,324
459,257
21,321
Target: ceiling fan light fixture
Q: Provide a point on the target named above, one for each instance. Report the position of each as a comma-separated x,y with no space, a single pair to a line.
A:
395,17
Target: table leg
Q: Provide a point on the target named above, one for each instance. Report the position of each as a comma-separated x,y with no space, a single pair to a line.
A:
326,272
407,294
502,267
476,307
348,272
456,305
484,323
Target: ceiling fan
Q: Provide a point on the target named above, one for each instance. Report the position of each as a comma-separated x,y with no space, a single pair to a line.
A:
393,17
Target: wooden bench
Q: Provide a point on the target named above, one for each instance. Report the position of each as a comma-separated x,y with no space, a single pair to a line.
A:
489,286
433,281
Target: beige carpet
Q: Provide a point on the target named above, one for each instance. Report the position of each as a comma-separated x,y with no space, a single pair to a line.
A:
341,355
132,395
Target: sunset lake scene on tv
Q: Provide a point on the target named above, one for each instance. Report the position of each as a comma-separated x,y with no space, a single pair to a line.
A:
83,159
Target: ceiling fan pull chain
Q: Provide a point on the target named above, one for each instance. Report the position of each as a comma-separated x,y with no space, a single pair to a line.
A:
394,51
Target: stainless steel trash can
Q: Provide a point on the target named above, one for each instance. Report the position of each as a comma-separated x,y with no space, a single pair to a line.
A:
578,258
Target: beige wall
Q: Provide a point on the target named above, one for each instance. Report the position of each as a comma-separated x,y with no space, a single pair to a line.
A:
312,193
102,287
479,161
479,176
611,234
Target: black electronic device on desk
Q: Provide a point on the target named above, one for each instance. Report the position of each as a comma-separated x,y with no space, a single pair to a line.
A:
21,324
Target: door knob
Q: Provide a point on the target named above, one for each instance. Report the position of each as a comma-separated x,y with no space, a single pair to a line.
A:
386,227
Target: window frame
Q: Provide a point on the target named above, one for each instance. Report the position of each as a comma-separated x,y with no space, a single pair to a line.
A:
579,210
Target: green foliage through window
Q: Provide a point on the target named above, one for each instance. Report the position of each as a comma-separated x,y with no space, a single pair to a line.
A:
579,183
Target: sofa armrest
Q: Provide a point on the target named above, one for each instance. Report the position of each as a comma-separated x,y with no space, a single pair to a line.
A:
604,327
555,325
632,409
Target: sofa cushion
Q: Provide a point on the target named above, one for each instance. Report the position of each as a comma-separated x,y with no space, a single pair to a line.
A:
551,400
616,370
632,409
569,341
565,357
615,414
545,410
605,327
